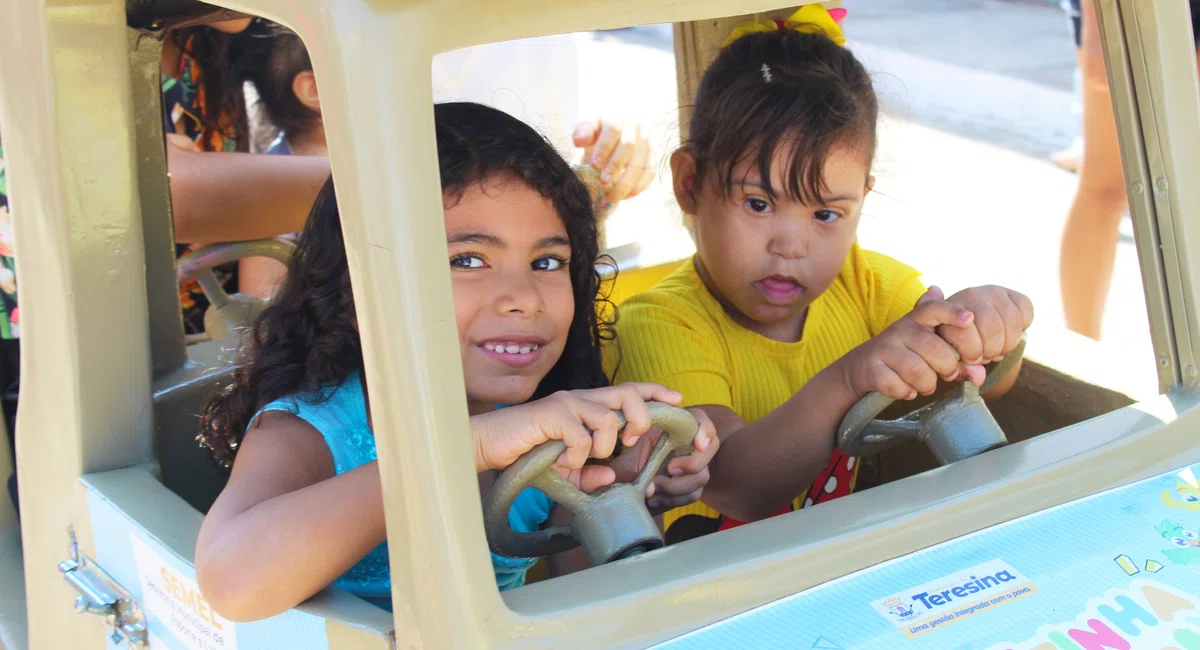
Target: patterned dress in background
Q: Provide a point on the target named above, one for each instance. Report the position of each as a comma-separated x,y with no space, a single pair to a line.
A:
10,331
183,104
10,315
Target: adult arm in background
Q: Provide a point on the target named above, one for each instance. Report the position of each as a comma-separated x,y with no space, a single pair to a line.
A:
219,197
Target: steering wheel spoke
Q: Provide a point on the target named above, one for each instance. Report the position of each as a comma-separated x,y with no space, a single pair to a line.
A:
879,435
559,489
228,315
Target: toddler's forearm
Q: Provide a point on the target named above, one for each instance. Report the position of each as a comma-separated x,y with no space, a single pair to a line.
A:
763,466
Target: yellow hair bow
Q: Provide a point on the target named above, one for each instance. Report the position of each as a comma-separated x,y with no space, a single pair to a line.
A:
811,19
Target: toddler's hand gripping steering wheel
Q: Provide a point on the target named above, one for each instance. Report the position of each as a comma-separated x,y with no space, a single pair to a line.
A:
955,427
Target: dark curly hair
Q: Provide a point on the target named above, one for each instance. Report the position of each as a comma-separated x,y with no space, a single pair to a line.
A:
307,339
789,90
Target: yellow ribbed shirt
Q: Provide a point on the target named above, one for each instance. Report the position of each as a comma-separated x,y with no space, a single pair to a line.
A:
678,335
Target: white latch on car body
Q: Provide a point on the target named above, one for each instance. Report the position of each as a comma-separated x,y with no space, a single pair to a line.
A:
105,597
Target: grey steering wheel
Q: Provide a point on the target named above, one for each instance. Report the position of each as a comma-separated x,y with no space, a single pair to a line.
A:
228,315
955,427
611,523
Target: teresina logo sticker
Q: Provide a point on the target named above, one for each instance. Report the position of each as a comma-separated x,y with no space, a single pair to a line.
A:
954,597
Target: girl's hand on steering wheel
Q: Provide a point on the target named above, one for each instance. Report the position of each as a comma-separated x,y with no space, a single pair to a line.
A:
624,165
583,419
683,478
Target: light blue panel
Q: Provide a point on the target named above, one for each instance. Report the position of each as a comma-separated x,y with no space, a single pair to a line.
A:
193,627
1117,570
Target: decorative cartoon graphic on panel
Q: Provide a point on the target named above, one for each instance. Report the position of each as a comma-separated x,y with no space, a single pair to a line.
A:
1187,543
1188,497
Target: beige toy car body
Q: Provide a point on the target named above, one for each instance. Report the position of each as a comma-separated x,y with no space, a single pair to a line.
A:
113,485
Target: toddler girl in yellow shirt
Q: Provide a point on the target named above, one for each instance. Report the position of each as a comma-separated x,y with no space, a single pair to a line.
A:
780,323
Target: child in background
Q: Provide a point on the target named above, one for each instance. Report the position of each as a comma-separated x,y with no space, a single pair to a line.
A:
275,60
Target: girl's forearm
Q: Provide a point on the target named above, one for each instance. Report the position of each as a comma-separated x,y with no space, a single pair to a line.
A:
280,552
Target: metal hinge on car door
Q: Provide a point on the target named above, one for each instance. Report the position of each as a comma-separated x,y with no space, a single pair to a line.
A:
103,596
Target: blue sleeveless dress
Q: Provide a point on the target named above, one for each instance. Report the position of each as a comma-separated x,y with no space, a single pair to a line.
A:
340,414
